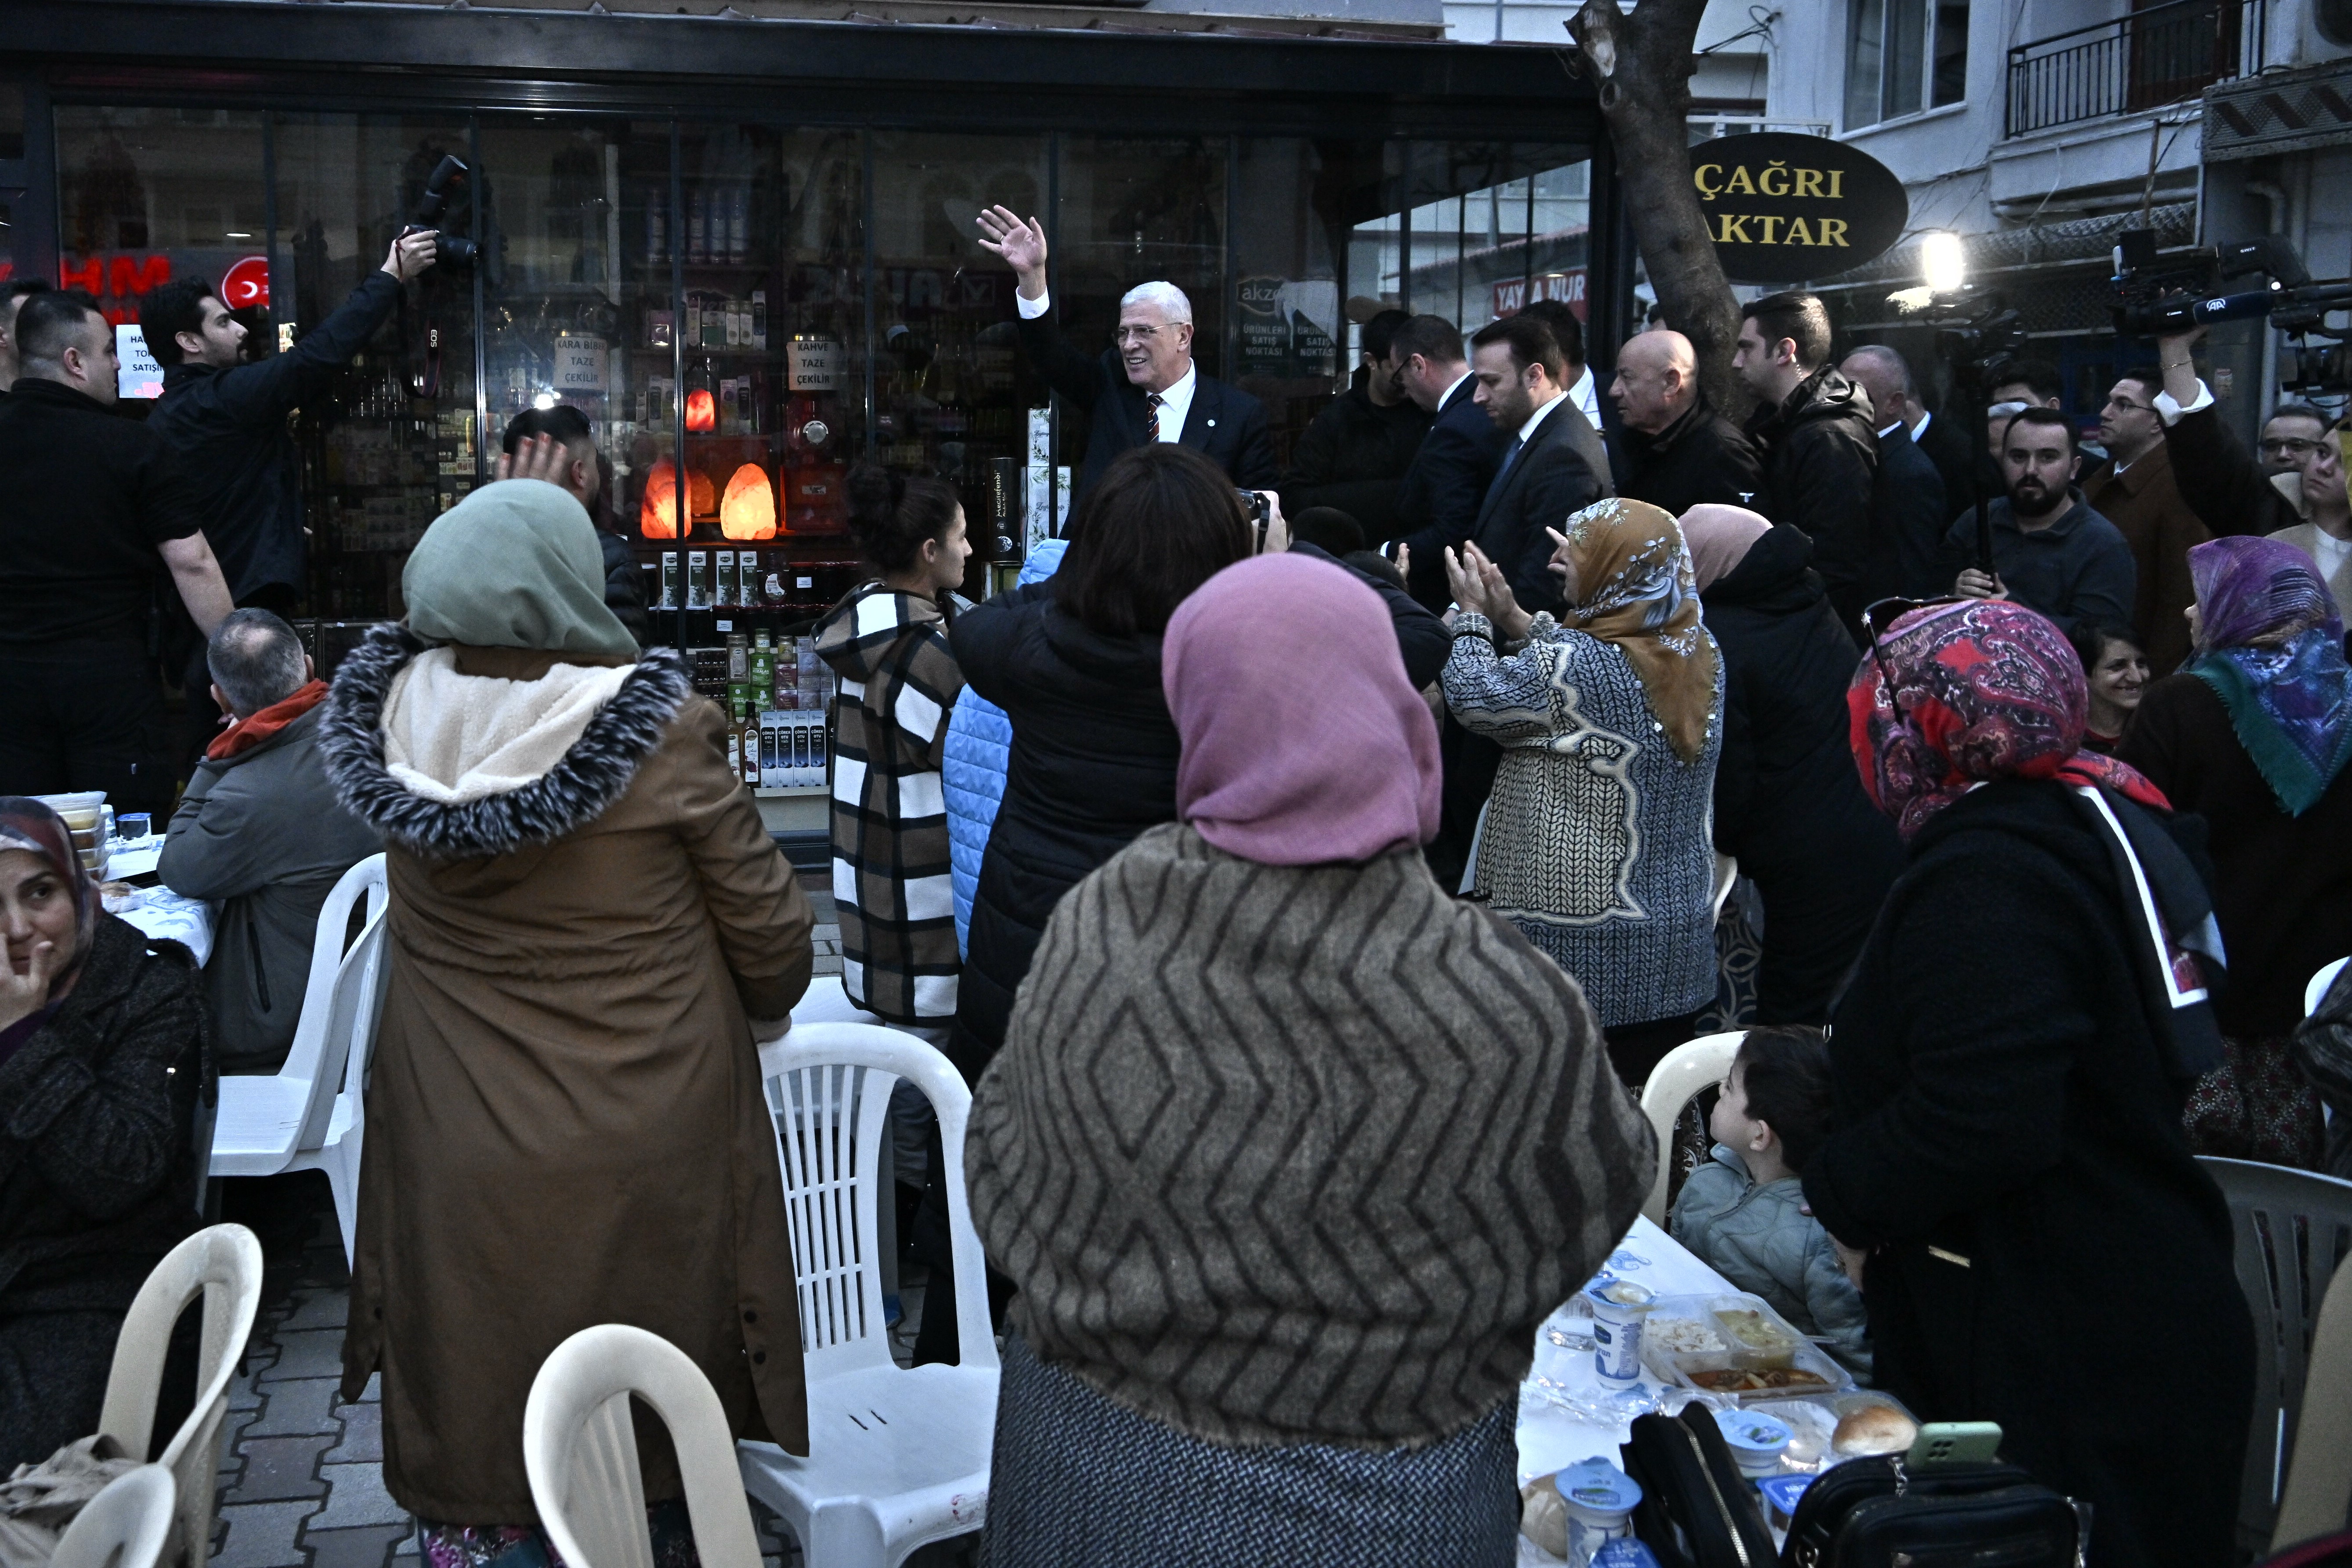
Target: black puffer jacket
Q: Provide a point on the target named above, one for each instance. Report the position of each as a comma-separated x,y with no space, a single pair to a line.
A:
97,1179
1788,802
1820,458
1093,765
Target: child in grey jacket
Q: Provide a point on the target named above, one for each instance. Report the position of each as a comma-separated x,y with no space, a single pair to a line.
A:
1742,1209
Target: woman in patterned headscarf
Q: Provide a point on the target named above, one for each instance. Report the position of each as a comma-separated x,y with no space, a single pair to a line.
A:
1611,719
102,1054
2010,1061
2253,734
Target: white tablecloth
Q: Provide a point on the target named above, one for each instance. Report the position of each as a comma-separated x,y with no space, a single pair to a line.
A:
163,913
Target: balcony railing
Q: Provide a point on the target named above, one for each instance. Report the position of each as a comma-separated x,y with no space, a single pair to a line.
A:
2154,56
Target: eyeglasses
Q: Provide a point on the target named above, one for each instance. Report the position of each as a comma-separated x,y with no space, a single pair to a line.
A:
2289,446
1135,334
1886,613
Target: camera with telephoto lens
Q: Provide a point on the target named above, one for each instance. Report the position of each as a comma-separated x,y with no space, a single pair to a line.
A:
449,250
2165,297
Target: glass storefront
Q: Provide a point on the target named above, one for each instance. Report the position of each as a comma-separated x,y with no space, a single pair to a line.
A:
744,309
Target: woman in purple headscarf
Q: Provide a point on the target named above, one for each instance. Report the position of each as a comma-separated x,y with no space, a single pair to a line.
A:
2010,1062
102,1051
2253,735
1288,1150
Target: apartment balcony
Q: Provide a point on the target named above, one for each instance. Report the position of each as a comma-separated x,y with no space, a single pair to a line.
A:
2153,57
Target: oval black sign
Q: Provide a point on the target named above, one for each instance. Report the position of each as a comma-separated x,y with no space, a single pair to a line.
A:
1783,207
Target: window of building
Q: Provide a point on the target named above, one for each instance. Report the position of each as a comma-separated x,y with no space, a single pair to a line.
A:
1903,56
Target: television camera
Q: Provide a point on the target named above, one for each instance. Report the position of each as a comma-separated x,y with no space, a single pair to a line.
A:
2164,296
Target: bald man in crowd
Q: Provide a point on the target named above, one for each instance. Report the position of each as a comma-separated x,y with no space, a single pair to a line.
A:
1679,451
1909,511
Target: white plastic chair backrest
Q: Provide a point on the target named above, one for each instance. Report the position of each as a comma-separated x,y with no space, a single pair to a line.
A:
579,1450
829,1091
1683,1072
2316,992
223,1264
124,1526
310,1027
1726,876
2319,1495
354,1005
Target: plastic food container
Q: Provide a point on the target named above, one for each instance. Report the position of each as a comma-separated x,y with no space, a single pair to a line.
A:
1780,1494
1626,1553
1812,1421
1757,1354
1756,1439
1601,1501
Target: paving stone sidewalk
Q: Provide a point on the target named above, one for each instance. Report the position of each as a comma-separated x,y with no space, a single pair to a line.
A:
302,1479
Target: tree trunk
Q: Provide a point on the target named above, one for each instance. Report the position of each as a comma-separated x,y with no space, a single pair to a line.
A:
1642,61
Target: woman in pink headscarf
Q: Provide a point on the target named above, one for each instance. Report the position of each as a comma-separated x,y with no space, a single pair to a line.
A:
1288,1151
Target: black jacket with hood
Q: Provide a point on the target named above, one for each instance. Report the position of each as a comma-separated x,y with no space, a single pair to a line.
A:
1821,461
1789,803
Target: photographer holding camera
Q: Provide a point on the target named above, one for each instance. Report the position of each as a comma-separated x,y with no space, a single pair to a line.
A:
226,419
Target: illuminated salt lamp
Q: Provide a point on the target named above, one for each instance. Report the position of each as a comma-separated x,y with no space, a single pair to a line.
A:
701,411
658,515
750,509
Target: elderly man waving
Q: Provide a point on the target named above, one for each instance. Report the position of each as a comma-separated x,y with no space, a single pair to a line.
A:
1147,387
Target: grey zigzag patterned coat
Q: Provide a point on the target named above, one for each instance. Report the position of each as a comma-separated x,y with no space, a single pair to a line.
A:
1599,841
1297,1153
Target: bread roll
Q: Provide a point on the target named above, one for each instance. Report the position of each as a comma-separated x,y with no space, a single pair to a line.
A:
1543,1516
1873,1429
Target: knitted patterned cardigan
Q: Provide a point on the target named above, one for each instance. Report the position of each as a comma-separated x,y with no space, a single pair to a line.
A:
1296,1154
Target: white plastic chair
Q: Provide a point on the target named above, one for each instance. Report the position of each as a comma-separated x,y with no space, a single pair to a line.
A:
311,1115
1684,1072
579,1450
2319,1495
222,1263
124,1526
897,1457
2316,991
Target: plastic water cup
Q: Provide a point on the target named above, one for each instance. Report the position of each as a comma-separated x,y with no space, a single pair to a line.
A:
133,825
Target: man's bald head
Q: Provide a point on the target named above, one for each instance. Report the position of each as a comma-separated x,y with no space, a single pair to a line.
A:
1657,379
1884,377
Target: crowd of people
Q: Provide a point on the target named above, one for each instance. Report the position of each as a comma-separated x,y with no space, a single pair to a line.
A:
1305,865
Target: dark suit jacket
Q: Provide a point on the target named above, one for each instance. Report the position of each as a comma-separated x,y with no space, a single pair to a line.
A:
1439,500
1225,425
1562,469
1909,517
1949,445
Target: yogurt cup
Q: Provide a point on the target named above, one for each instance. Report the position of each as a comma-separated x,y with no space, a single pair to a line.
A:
1780,1494
1601,1501
1618,1307
1755,1440
1626,1553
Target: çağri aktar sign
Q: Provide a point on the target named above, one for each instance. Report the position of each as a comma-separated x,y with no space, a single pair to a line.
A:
1784,208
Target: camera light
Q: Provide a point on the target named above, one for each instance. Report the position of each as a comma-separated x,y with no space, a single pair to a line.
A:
1941,262
544,400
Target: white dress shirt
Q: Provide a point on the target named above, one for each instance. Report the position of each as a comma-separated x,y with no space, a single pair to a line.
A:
1447,396
1587,394
1528,430
1175,403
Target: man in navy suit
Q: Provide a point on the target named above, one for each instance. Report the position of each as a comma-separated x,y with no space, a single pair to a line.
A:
1553,463
1438,499
1145,389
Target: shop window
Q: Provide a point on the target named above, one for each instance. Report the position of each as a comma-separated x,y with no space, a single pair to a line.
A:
390,441
1903,56
147,195
1297,202
1474,230
953,393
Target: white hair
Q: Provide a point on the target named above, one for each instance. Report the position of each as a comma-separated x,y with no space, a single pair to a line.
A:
1167,296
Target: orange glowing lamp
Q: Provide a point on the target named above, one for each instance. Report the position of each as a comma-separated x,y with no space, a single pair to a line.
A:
750,508
657,516
701,411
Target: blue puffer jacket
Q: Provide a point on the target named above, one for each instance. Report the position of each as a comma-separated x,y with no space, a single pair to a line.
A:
980,741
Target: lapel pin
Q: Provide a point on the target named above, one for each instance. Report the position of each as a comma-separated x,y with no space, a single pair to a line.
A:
1212,424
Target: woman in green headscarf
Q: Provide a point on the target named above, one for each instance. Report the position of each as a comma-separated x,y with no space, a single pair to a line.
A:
565,1124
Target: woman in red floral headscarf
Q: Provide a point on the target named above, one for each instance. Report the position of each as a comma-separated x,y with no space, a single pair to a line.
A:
101,1059
2011,1059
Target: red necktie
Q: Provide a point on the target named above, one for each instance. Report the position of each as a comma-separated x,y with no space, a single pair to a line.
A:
1153,400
